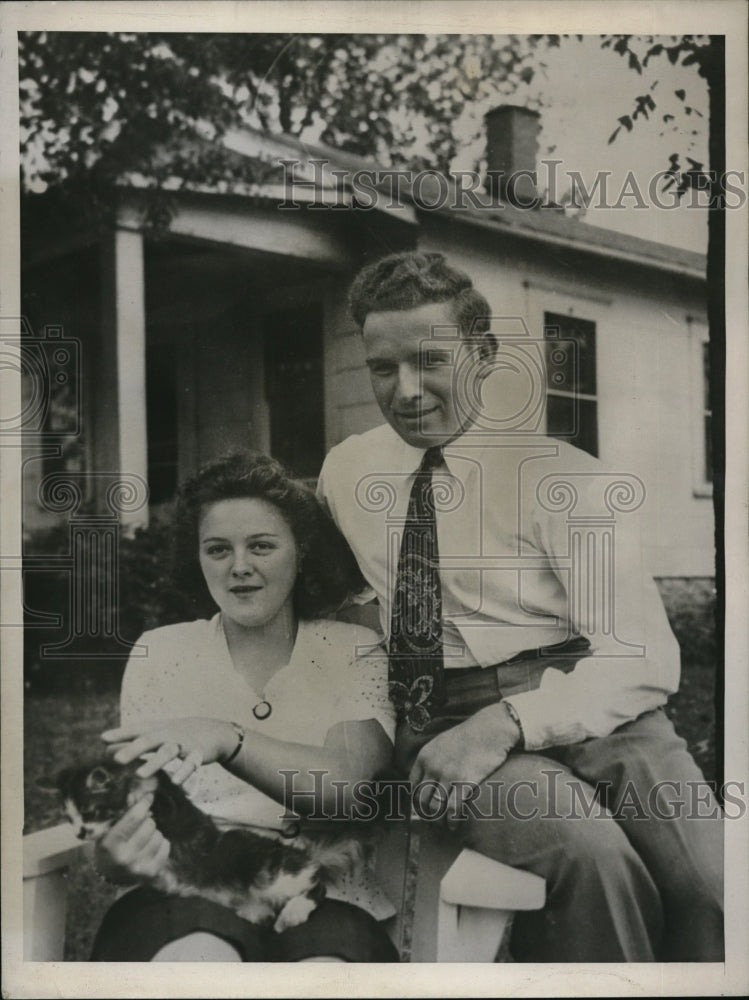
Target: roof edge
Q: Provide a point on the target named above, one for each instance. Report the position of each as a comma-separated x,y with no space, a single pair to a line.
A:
585,247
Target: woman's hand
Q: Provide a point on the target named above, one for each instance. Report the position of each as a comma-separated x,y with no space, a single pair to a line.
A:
190,742
133,849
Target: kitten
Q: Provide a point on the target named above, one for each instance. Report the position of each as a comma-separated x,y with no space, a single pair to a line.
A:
264,880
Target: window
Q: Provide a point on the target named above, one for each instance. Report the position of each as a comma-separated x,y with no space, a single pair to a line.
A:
702,417
707,416
571,402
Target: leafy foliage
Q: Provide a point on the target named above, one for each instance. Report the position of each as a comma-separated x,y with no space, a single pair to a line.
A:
686,50
148,598
97,108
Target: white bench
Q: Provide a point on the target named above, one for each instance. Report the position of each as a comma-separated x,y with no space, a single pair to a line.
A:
456,906
47,855
460,904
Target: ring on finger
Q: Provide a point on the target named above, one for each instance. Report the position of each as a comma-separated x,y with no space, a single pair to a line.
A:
438,797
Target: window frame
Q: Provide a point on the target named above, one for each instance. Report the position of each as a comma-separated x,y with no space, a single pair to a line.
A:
699,338
571,313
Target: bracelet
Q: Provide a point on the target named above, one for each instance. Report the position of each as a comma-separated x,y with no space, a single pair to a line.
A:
104,880
511,711
241,733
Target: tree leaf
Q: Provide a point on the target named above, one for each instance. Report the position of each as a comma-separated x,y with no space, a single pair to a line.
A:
654,50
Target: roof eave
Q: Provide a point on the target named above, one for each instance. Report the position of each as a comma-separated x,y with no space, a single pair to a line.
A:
569,243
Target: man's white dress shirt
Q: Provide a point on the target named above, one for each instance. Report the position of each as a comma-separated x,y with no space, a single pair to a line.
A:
537,542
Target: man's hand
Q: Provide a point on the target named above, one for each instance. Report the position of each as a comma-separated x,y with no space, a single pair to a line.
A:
133,849
468,754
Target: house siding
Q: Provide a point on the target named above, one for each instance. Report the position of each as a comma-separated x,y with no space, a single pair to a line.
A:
350,408
646,400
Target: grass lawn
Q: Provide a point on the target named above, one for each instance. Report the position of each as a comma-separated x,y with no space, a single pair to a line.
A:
62,729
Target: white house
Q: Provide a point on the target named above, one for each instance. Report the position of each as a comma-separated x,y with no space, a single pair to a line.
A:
231,329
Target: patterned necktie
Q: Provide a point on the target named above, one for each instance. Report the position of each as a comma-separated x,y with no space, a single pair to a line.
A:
415,651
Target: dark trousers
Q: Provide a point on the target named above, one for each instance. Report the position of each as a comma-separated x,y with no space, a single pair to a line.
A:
631,875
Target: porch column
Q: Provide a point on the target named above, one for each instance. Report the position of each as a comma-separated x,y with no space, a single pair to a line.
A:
121,389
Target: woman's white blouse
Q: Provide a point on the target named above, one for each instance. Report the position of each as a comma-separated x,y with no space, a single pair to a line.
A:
186,670
337,673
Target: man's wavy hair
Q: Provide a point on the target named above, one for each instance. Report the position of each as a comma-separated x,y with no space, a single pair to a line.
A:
328,573
407,280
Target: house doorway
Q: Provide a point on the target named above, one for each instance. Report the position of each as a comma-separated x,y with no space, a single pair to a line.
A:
294,386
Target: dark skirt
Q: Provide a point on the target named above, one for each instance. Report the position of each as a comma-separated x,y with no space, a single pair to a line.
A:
143,921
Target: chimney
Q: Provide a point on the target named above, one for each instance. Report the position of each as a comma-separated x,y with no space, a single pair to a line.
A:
512,146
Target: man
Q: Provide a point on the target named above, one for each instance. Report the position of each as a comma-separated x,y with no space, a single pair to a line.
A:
529,662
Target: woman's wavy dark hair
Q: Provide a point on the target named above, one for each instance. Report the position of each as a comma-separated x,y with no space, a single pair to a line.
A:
328,573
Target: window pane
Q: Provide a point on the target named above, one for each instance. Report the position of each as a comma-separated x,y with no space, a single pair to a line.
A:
708,448
573,420
561,362
576,338
706,374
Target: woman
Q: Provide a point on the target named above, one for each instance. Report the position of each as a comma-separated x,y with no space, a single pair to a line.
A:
229,703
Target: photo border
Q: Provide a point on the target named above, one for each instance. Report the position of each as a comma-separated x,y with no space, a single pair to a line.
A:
196,980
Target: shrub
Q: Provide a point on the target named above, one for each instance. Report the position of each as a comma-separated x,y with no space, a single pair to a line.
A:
146,597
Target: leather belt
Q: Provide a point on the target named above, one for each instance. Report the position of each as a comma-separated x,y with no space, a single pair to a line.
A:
501,676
